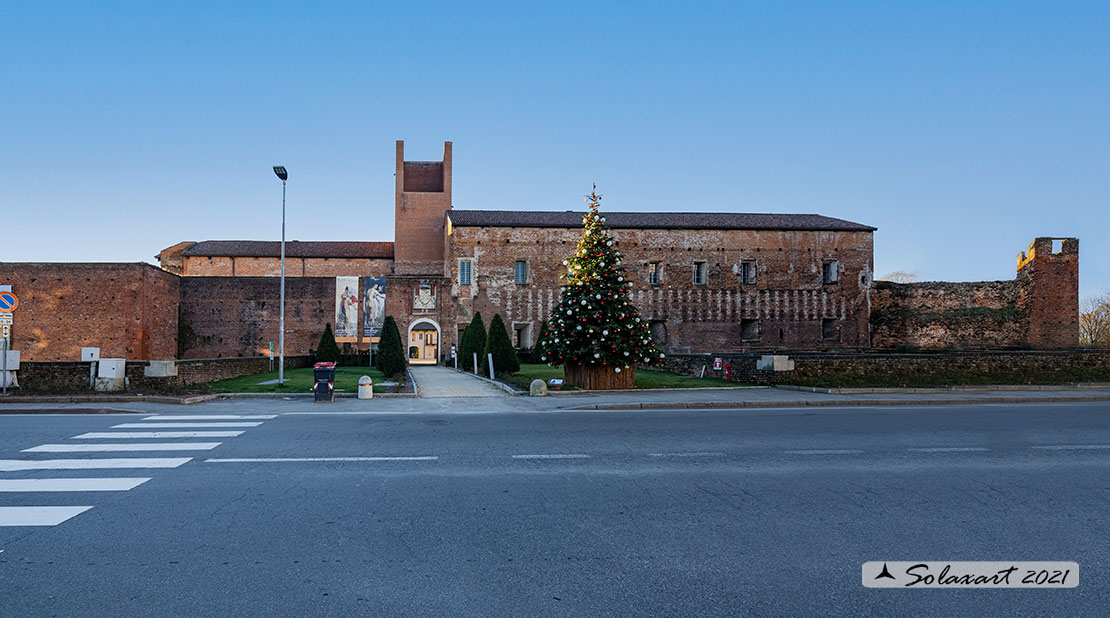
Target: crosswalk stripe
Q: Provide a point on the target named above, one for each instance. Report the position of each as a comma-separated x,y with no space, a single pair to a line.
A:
157,434
38,515
183,425
211,417
317,459
10,465
97,448
94,484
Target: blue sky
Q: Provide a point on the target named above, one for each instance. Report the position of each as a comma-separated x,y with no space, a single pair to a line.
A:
961,130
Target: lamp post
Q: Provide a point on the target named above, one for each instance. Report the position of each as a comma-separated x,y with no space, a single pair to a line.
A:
283,175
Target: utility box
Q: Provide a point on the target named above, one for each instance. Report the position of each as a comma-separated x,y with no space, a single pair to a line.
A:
323,383
90,354
774,362
110,377
12,360
160,369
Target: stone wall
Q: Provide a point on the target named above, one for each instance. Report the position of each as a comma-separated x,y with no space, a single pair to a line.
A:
61,377
920,369
986,314
128,310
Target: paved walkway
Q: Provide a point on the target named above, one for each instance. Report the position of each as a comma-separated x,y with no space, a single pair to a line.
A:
436,381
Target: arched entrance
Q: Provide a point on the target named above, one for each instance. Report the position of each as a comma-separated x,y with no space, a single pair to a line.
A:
423,347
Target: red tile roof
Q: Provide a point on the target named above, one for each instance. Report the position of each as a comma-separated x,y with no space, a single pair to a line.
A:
293,248
655,220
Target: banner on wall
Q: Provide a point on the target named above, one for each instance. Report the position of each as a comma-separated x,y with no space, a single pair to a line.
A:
373,306
346,307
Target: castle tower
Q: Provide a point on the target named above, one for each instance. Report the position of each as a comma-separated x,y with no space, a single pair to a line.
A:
423,197
1051,266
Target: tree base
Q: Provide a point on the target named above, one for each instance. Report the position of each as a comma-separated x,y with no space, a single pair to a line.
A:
599,377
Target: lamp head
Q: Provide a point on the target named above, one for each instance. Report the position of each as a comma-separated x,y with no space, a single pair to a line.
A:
281,173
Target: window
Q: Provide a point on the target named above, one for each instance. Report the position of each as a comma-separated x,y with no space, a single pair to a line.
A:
699,273
829,329
749,330
520,272
829,271
464,272
655,273
747,272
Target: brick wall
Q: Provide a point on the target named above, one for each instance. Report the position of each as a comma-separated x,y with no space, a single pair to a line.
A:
231,317
1039,308
217,266
127,310
788,297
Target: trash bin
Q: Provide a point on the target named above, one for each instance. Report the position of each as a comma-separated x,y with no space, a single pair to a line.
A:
365,388
323,385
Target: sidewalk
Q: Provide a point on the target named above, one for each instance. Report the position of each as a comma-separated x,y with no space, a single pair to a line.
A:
433,381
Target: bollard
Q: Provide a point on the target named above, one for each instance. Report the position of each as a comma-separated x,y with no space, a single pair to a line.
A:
365,388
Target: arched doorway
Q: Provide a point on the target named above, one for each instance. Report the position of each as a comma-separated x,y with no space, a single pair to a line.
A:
423,347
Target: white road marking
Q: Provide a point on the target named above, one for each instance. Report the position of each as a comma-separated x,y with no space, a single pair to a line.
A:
316,459
950,449
9,465
710,454
157,434
104,448
564,456
38,515
1074,447
183,425
211,417
102,484
827,452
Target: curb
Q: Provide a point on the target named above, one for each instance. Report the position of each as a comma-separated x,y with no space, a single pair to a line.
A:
308,395
968,388
189,400
710,405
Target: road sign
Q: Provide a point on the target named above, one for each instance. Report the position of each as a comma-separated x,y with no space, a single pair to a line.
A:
6,318
717,363
6,330
8,302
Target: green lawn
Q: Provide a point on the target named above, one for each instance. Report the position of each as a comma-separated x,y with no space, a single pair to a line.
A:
300,381
645,378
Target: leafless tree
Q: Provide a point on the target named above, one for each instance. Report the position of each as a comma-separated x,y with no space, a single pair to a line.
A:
1094,321
899,276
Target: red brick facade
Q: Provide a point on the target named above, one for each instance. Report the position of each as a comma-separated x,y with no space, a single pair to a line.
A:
127,310
709,282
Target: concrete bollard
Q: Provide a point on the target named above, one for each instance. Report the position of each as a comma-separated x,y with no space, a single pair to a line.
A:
538,388
365,388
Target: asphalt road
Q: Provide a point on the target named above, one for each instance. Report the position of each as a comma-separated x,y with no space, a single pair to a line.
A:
649,513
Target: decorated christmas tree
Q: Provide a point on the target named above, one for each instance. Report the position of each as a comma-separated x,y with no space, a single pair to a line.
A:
596,333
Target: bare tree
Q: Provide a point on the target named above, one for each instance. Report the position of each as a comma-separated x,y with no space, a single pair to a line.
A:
1094,321
899,276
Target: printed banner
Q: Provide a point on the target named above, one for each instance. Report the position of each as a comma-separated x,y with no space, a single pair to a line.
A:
373,306
346,307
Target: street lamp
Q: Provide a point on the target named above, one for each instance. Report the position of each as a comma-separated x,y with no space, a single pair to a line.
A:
283,175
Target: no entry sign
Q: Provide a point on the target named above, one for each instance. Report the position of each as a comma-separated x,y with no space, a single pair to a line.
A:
8,302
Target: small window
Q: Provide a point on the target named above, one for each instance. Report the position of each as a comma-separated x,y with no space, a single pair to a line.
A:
520,272
655,273
747,273
699,273
829,272
522,335
464,272
749,330
829,329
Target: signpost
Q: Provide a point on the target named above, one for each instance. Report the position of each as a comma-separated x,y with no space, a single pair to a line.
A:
8,303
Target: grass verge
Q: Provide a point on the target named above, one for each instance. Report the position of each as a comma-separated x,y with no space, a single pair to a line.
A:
300,381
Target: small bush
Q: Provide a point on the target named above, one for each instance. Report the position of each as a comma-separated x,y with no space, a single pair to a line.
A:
505,360
391,352
474,342
327,351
